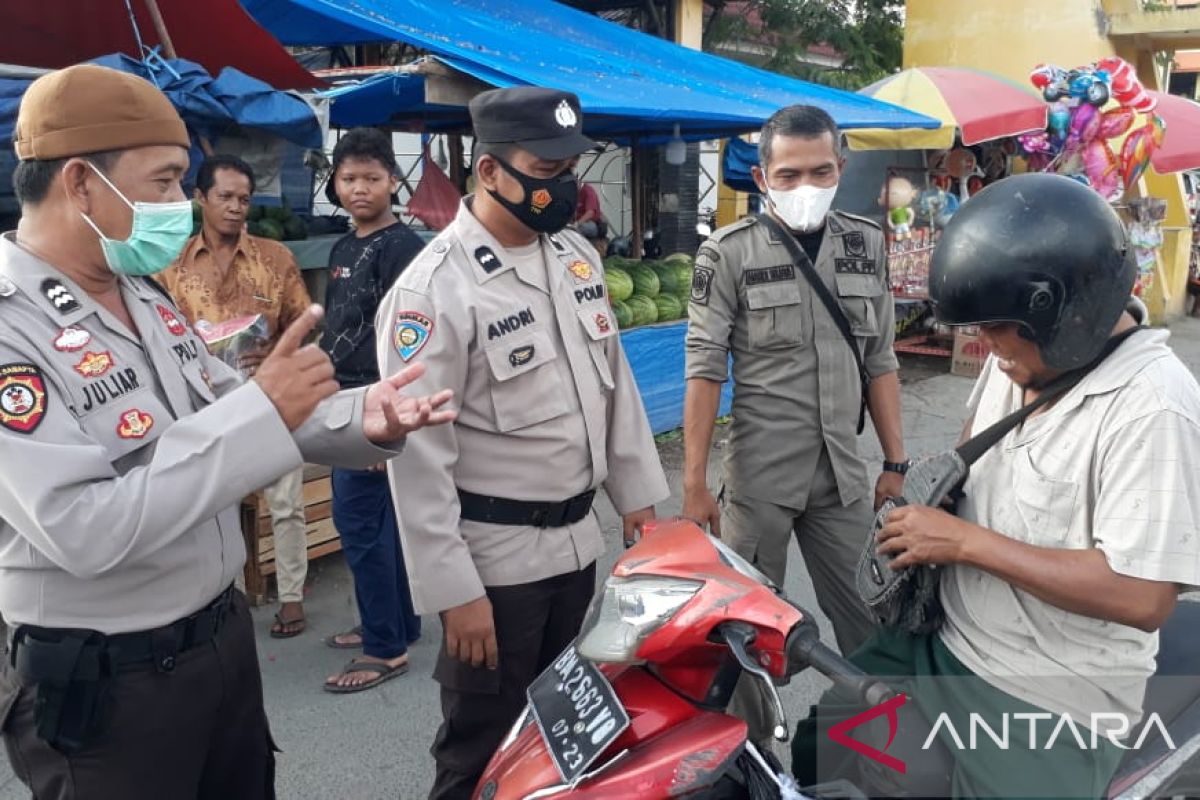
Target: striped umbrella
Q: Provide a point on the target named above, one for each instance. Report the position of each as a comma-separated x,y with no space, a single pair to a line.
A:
980,105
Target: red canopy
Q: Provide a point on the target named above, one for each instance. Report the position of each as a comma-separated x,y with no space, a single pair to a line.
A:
213,33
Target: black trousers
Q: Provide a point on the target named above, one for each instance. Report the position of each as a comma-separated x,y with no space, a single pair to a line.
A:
198,732
534,622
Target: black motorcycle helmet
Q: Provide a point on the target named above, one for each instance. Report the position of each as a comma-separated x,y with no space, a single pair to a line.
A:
1043,251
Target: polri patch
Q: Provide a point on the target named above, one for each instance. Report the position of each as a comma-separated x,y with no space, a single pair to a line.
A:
702,285
411,333
521,356
134,424
171,320
487,259
22,397
94,365
854,266
854,245
71,339
59,296
834,225
777,274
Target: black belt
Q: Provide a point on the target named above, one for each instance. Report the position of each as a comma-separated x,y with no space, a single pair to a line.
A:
502,511
159,646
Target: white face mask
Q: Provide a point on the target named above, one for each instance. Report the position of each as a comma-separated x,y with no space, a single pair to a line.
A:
803,208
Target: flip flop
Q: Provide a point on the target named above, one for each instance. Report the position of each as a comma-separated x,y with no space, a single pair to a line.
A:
332,641
383,673
285,623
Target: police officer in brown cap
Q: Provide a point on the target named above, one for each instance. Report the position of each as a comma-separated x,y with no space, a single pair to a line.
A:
130,669
509,310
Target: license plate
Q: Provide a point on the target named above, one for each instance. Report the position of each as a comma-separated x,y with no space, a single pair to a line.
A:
577,712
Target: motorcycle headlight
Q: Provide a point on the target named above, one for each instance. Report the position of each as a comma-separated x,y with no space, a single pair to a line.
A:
629,610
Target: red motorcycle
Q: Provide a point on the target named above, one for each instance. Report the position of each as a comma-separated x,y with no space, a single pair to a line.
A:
636,708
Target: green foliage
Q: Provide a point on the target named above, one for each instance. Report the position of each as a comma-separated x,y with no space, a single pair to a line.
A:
869,34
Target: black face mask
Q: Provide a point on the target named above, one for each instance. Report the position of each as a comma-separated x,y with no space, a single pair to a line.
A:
549,203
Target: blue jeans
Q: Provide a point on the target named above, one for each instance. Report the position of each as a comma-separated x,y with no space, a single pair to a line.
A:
366,521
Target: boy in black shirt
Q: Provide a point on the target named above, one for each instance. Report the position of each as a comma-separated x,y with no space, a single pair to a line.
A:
362,267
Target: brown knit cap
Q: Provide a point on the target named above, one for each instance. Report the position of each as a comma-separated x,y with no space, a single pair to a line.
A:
89,109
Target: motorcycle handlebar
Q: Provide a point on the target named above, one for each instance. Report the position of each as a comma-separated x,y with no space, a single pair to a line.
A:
807,650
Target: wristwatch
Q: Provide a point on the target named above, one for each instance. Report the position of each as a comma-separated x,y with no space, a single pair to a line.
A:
899,467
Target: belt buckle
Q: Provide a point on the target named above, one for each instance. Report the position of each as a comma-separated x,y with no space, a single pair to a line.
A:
542,518
580,503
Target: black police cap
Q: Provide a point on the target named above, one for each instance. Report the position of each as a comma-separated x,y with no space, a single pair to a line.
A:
546,122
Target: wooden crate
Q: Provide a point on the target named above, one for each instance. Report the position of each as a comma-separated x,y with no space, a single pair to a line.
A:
260,540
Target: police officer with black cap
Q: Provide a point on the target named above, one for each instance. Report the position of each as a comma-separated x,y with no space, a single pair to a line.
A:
510,311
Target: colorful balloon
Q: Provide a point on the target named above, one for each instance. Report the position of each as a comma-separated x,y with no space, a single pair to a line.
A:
1138,147
1115,122
1103,170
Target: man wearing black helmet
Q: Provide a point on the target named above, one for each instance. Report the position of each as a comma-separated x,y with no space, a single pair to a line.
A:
1077,530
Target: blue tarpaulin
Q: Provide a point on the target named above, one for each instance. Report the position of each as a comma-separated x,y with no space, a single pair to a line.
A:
656,357
630,83
391,98
736,162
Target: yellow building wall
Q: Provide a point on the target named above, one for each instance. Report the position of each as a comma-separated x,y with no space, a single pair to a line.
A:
1010,37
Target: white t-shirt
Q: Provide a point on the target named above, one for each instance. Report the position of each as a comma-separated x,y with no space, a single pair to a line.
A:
1115,465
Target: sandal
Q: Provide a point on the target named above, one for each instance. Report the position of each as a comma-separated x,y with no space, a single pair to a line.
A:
332,641
286,628
382,671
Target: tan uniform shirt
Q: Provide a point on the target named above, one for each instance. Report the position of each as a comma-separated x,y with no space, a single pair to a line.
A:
795,380
1114,465
547,408
123,457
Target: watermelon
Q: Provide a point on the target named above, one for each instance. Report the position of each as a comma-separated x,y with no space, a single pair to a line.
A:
255,213
669,277
622,313
683,279
619,283
271,229
669,307
680,258
619,262
294,229
645,282
644,309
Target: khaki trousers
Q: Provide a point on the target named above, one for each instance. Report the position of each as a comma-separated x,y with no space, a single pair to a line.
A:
831,538
285,499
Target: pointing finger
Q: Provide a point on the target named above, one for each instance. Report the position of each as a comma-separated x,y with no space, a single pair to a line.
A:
293,337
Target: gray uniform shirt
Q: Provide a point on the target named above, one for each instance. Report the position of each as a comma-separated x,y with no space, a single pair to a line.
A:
123,457
795,381
547,408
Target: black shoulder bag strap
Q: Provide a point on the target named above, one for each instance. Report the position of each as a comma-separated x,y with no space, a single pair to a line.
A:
801,260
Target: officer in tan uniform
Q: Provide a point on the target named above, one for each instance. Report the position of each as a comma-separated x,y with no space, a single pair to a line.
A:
509,310
125,448
792,461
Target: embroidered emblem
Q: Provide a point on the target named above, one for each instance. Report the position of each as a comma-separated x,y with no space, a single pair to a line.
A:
539,200
581,270
701,285
59,296
854,266
565,116
602,322
412,331
71,339
521,356
172,321
135,424
94,365
22,397
854,245
487,259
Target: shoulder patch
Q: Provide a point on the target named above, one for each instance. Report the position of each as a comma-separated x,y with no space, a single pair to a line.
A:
702,278
59,296
741,225
411,330
23,397
708,252
857,218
